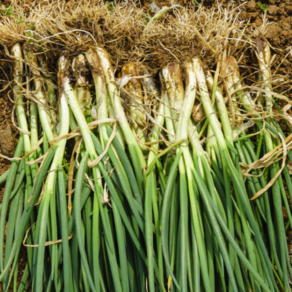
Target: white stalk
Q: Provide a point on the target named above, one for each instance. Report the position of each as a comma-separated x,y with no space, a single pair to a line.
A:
100,91
81,85
207,104
186,165
224,117
247,102
116,103
189,100
264,59
194,138
50,183
167,111
21,117
134,88
34,126
249,105
64,116
74,105
175,89
51,94
30,58
153,93
111,114
232,81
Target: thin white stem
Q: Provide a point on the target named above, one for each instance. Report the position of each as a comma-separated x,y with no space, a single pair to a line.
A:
189,100
30,58
208,107
221,108
21,117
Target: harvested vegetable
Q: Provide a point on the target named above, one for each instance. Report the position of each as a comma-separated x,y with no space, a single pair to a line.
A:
167,174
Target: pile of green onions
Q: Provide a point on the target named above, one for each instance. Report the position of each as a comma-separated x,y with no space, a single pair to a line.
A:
115,186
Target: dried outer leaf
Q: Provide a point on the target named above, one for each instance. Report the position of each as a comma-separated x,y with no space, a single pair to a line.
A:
272,181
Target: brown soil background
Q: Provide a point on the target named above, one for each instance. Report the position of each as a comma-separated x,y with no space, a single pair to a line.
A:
279,35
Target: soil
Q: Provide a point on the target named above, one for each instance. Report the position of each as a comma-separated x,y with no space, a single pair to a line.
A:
8,133
279,35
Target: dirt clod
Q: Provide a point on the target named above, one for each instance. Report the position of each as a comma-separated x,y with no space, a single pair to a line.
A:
252,5
7,141
273,10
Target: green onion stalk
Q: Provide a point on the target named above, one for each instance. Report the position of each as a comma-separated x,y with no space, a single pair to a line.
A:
234,132
199,190
186,182
135,100
81,86
48,200
129,187
91,227
236,178
279,249
133,146
72,100
202,167
127,183
23,145
38,94
169,122
175,89
151,195
92,145
134,91
28,209
212,177
31,171
184,217
49,197
4,176
49,85
239,129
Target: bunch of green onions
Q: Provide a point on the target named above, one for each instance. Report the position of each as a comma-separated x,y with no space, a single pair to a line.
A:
112,188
